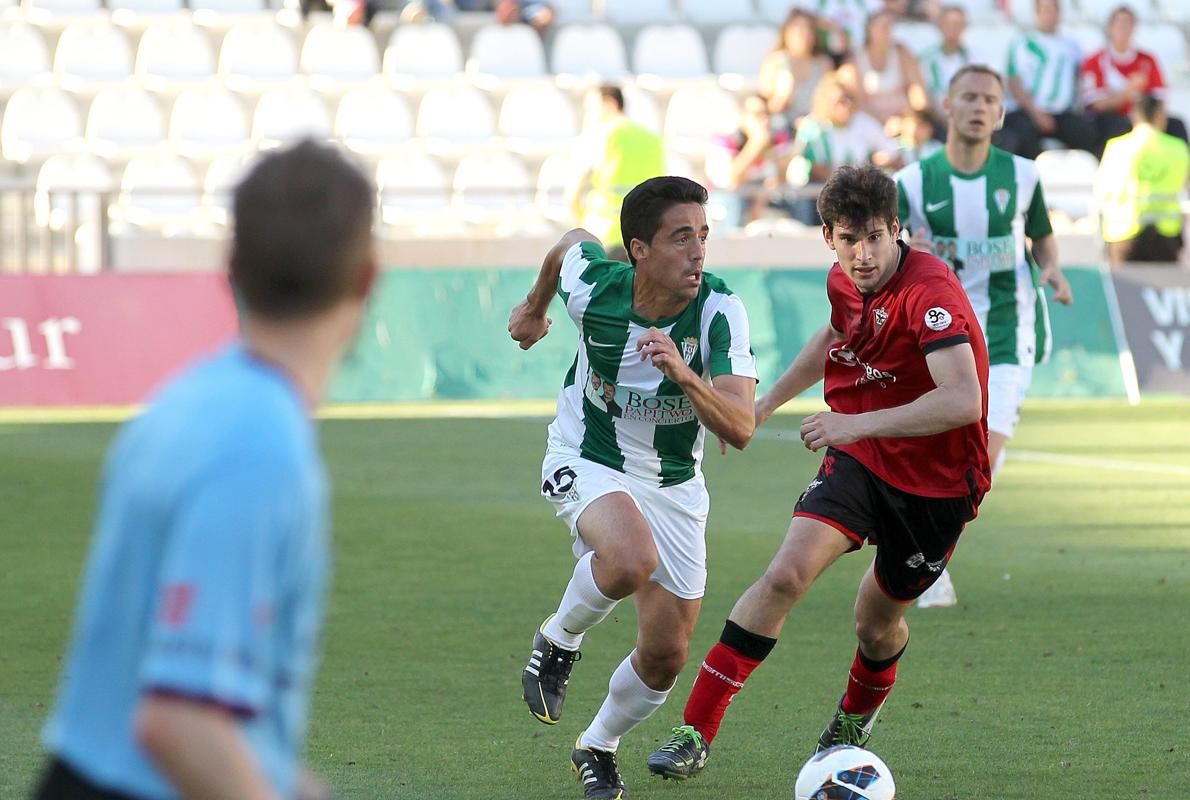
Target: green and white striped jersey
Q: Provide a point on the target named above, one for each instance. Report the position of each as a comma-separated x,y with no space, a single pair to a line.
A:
978,224
620,411
1047,65
937,68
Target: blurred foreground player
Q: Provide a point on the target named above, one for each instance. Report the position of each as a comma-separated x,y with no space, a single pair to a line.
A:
905,467
663,352
194,645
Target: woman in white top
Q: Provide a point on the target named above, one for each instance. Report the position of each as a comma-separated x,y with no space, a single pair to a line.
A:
883,75
792,70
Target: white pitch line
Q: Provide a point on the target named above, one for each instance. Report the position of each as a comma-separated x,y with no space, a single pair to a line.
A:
1039,456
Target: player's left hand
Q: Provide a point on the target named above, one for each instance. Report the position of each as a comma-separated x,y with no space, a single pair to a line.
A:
1054,278
656,345
828,429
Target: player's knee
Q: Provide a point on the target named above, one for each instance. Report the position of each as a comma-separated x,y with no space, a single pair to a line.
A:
788,584
662,663
630,570
877,635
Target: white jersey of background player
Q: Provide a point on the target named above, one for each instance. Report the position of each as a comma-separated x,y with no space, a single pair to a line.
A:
981,210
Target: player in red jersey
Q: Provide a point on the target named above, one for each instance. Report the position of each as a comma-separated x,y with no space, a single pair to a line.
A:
905,463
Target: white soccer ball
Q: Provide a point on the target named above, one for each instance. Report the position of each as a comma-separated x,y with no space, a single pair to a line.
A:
845,772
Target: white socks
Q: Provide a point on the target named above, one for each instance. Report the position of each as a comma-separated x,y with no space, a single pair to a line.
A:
629,702
583,607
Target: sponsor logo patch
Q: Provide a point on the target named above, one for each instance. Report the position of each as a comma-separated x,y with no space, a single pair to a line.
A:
937,319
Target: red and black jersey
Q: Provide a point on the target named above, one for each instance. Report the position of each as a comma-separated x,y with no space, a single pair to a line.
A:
881,363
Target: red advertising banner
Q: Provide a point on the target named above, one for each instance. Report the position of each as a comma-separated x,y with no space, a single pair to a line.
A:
105,339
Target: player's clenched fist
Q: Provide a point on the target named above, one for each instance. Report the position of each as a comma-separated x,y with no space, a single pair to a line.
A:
527,326
828,429
657,346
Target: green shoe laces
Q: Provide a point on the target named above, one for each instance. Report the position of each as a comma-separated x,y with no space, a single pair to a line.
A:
679,736
851,730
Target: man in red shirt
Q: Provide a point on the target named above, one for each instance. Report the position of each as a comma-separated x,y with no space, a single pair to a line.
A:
1116,76
905,467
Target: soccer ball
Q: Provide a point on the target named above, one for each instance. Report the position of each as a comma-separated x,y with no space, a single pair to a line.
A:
845,772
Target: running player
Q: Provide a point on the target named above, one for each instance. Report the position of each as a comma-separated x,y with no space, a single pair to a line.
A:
905,465
974,206
195,641
622,458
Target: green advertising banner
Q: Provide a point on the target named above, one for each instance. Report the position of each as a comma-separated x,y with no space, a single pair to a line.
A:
441,334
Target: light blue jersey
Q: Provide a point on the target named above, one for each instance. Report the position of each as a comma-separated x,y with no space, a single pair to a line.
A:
206,575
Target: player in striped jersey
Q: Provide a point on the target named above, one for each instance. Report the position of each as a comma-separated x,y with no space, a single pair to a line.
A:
975,205
623,454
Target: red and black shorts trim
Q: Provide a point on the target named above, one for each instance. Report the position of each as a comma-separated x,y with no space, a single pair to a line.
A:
914,535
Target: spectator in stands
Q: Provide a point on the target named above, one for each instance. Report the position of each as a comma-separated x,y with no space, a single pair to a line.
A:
940,62
836,134
841,24
791,72
746,167
917,137
1142,179
883,75
620,155
1043,89
1116,76
537,13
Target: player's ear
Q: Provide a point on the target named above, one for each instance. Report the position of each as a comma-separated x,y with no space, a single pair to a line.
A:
638,249
826,234
1000,122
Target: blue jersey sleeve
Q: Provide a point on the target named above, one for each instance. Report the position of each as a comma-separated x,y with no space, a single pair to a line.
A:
213,633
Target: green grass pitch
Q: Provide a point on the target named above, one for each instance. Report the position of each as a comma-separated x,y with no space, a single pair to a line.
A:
1061,674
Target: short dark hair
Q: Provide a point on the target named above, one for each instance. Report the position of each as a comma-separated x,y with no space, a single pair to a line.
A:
640,216
857,195
613,93
303,231
1123,8
1147,108
974,69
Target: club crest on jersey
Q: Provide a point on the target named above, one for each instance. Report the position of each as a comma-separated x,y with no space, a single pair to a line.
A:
1001,196
881,315
689,348
937,319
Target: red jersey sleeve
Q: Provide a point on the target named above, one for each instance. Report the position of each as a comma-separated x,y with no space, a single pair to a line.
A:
939,315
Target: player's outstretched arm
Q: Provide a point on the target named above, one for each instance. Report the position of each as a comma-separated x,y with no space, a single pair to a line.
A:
199,748
528,323
956,400
805,371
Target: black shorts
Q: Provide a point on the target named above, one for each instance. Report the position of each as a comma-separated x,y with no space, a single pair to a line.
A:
914,535
60,782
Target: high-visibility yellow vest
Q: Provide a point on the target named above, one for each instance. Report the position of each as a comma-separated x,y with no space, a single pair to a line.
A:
1141,180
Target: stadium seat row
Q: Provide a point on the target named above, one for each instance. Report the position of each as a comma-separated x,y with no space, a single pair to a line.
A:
96,51
450,120
638,12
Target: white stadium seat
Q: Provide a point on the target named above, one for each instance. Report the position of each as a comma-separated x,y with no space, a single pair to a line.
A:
1095,12
489,186
537,118
739,51
1022,12
39,123
557,175
222,176
208,122
917,36
64,6
989,44
588,53
718,12
156,191
1089,37
775,11
174,50
667,53
69,189
979,11
335,53
146,6
24,57
638,12
228,6
1067,180
458,115
567,11
256,52
92,51
696,114
373,119
421,52
284,115
412,187
123,121
1168,44
507,52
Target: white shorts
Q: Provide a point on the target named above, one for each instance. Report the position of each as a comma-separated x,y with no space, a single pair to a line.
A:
677,515
1007,385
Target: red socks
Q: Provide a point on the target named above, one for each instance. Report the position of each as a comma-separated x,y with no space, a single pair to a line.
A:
723,672
869,682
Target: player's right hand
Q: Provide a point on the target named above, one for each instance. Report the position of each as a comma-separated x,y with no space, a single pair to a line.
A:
527,326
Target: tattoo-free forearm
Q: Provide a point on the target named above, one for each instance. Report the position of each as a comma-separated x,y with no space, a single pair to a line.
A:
729,415
546,284
1045,252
